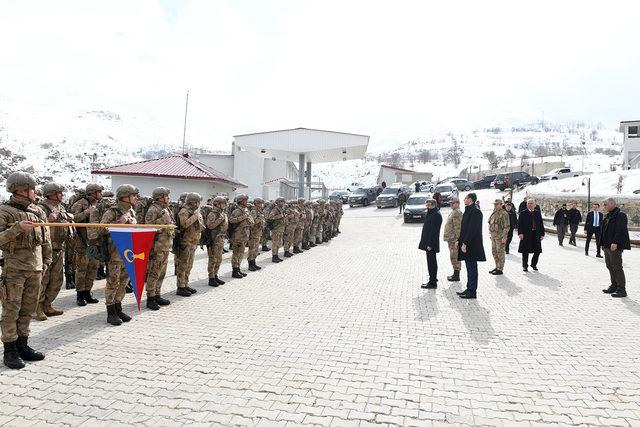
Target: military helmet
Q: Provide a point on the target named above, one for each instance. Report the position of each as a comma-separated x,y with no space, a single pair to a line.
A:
126,190
301,199
160,192
193,197
258,200
52,188
219,199
20,181
241,197
93,188
322,201
183,196
280,199
107,194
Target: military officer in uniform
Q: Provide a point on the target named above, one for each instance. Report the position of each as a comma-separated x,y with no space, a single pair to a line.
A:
255,233
27,255
240,220
191,225
51,204
499,226
451,235
278,221
290,229
158,213
217,224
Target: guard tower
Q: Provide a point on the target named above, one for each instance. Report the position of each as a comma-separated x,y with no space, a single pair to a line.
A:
305,146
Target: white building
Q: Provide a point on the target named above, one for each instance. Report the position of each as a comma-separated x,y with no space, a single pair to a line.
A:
631,144
392,174
178,173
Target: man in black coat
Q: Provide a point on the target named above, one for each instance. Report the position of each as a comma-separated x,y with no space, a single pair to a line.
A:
561,221
575,217
593,226
531,233
430,242
470,249
614,240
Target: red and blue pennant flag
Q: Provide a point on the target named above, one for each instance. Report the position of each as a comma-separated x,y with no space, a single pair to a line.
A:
134,246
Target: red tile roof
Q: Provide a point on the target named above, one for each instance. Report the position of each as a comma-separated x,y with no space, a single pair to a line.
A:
398,169
179,167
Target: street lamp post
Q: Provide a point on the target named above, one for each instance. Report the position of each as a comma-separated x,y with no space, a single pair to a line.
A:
584,150
94,164
588,191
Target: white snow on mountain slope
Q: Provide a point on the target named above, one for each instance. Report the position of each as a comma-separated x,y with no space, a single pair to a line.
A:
608,184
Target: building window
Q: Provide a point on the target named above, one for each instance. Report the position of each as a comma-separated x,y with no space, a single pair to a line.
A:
632,132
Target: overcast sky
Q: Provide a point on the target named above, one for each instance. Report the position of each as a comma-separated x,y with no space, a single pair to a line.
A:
390,69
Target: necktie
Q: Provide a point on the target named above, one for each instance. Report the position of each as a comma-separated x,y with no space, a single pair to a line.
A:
533,220
596,219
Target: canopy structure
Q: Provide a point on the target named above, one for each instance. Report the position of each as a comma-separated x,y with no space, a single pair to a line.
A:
305,146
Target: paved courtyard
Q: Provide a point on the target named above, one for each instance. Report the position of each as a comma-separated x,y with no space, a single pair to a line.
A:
343,335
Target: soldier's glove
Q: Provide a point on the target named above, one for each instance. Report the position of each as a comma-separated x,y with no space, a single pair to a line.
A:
94,252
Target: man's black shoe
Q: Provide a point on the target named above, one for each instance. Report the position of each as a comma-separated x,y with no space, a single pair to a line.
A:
11,358
497,272
161,301
493,271
599,256
429,285
152,304
468,296
535,268
619,294
463,292
611,289
183,292
525,269
212,282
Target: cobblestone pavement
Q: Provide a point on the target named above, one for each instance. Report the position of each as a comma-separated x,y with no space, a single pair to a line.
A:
343,335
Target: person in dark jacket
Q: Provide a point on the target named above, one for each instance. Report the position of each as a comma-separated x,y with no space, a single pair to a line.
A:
513,222
614,240
593,226
531,233
561,221
402,201
470,249
575,217
430,242
417,185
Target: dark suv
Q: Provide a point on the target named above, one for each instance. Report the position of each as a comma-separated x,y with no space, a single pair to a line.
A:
513,180
484,182
362,196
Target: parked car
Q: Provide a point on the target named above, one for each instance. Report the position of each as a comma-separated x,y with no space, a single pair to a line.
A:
513,180
416,208
485,182
389,196
362,196
559,173
448,191
340,195
354,186
449,178
427,187
462,183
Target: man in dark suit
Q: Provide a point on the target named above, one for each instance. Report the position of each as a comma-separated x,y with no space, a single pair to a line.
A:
574,221
470,249
531,233
614,240
561,222
592,226
430,242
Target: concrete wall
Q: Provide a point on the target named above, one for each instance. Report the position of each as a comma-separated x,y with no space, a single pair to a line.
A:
249,169
536,169
387,175
220,162
550,204
177,186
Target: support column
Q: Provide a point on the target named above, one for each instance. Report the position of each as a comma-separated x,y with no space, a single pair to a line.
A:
309,178
301,175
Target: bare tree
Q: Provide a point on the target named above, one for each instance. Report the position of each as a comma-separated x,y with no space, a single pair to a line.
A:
493,158
454,153
509,156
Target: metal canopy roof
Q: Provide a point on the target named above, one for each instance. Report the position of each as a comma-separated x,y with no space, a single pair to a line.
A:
318,146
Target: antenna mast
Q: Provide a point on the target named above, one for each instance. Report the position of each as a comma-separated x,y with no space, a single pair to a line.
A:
184,132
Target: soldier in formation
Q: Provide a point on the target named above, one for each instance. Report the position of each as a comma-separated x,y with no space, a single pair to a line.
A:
277,223
27,255
190,226
499,226
451,235
255,233
240,223
217,224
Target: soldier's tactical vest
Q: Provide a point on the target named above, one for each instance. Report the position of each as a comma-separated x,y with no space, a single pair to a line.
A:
28,240
58,234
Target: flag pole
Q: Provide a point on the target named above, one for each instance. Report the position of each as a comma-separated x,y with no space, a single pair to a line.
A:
89,225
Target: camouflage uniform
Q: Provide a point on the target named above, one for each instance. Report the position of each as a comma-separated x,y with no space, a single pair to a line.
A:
158,213
217,224
277,220
191,226
53,277
498,229
86,267
321,218
26,254
308,221
118,277
299,232
290,229
242,222
451,235
255,233
265,230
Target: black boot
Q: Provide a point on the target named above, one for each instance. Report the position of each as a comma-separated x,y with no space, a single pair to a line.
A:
11,358
152,304
218,281
241,272
620,292
252,266
190,289
264,248
183,292
88,298
69,283
112,316
305,246
25,352
318,241
161,301
124,317
610,290
129,288
287,254
80,299
256,266
275,258
455,277
100,274
236,274
312,244
212,282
